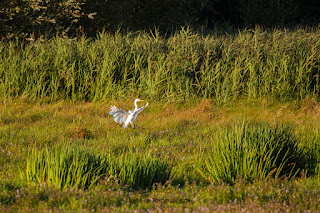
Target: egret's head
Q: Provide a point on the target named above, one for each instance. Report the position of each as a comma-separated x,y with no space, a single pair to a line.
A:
137,100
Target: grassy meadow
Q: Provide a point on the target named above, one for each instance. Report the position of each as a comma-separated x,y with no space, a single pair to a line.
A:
232,123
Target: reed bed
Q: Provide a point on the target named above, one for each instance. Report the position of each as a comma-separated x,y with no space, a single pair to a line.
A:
280,63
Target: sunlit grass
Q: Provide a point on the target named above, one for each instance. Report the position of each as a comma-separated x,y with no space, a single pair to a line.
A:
174,136
281,64
232,122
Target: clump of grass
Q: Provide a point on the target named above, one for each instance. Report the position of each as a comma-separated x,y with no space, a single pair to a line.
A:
63,166
252,152
140,170
77,166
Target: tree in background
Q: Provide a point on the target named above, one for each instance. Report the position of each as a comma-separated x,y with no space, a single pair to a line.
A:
24,18
35,18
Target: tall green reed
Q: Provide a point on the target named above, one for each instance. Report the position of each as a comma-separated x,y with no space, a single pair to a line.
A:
255,63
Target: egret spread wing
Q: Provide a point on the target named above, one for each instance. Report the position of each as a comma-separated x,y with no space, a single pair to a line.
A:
119,115
138,111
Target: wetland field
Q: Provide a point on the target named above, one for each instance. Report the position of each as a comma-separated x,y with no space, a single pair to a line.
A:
233,123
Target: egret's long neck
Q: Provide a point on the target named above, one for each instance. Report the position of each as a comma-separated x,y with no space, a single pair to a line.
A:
135,104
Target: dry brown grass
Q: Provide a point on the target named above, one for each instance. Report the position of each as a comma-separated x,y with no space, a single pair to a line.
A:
79,133
78,118
258,111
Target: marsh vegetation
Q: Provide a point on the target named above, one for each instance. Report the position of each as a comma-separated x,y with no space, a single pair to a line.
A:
233,122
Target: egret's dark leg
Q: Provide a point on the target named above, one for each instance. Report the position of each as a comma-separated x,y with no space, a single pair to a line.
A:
132,125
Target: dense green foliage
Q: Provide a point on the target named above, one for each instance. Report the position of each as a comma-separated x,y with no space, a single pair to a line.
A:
252,64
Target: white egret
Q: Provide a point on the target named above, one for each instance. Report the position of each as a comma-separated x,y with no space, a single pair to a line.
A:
120,116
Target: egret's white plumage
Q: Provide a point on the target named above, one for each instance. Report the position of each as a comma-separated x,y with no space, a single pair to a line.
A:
122,117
